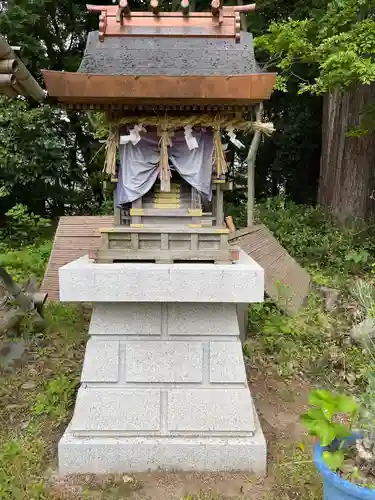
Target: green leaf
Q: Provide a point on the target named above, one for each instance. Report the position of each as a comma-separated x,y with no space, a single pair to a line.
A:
326,433
342,431
318,425
334,460
346,404
316,398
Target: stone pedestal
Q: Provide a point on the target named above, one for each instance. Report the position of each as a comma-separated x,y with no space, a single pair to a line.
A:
163,381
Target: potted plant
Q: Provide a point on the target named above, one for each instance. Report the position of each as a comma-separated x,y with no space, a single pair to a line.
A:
344,457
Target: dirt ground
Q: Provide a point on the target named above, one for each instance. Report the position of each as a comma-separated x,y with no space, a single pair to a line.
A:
279,403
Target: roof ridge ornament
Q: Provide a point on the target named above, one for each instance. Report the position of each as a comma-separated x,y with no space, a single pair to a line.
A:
222,22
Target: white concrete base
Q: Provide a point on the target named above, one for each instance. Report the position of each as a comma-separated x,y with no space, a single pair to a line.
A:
100,455
85,281
163,384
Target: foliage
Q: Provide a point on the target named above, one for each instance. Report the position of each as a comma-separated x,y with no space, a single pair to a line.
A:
31,260
56,399
322,421
41,167
22,228
317,241
337,39
288,162
315,343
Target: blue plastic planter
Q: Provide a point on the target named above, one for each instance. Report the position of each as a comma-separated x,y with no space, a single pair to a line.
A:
336,488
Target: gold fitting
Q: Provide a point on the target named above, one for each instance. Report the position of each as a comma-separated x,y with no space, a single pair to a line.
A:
167,205
106,230
137,211
195,212
197,226
222,231
167,196
137,225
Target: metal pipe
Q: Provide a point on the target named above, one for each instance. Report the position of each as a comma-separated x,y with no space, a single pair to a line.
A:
9,66
7,80
25,82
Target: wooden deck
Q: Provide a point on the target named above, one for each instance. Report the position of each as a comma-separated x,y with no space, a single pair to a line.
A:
285,280
74,238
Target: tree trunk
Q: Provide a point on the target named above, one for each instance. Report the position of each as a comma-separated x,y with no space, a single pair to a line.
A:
347,167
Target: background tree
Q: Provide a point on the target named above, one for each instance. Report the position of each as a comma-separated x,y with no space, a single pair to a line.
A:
336,42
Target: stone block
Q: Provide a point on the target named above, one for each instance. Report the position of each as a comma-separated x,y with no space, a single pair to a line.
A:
243,320
101,455
116,410
101,362
126,318
86,281
164,361
226,363
202,319
210,410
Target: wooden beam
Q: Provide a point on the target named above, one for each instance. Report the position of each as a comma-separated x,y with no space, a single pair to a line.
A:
174,26
244,8
251,167
89,88
228,11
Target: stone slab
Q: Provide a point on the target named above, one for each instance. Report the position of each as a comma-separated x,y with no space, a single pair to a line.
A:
128,318
86,281
101,362
210,410
243,320
116,410
226,363
118,455
202,319
164,361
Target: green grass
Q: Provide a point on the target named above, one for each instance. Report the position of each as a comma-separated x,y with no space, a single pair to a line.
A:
295,476
36,400
313,344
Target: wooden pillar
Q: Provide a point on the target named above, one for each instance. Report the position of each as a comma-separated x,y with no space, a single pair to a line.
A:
251,167
219,206
116,210
136,212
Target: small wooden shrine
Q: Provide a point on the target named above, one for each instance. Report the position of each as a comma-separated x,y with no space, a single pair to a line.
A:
170,84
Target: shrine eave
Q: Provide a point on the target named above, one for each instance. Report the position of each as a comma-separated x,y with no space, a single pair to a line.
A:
106,90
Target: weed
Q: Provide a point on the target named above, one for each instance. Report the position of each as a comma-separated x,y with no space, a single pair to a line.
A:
20,463
56,399
295,476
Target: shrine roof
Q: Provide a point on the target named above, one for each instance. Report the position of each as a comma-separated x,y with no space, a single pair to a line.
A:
164,59
169,56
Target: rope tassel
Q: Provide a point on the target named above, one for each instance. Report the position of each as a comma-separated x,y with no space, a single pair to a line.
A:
110,153
218,151
164,170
